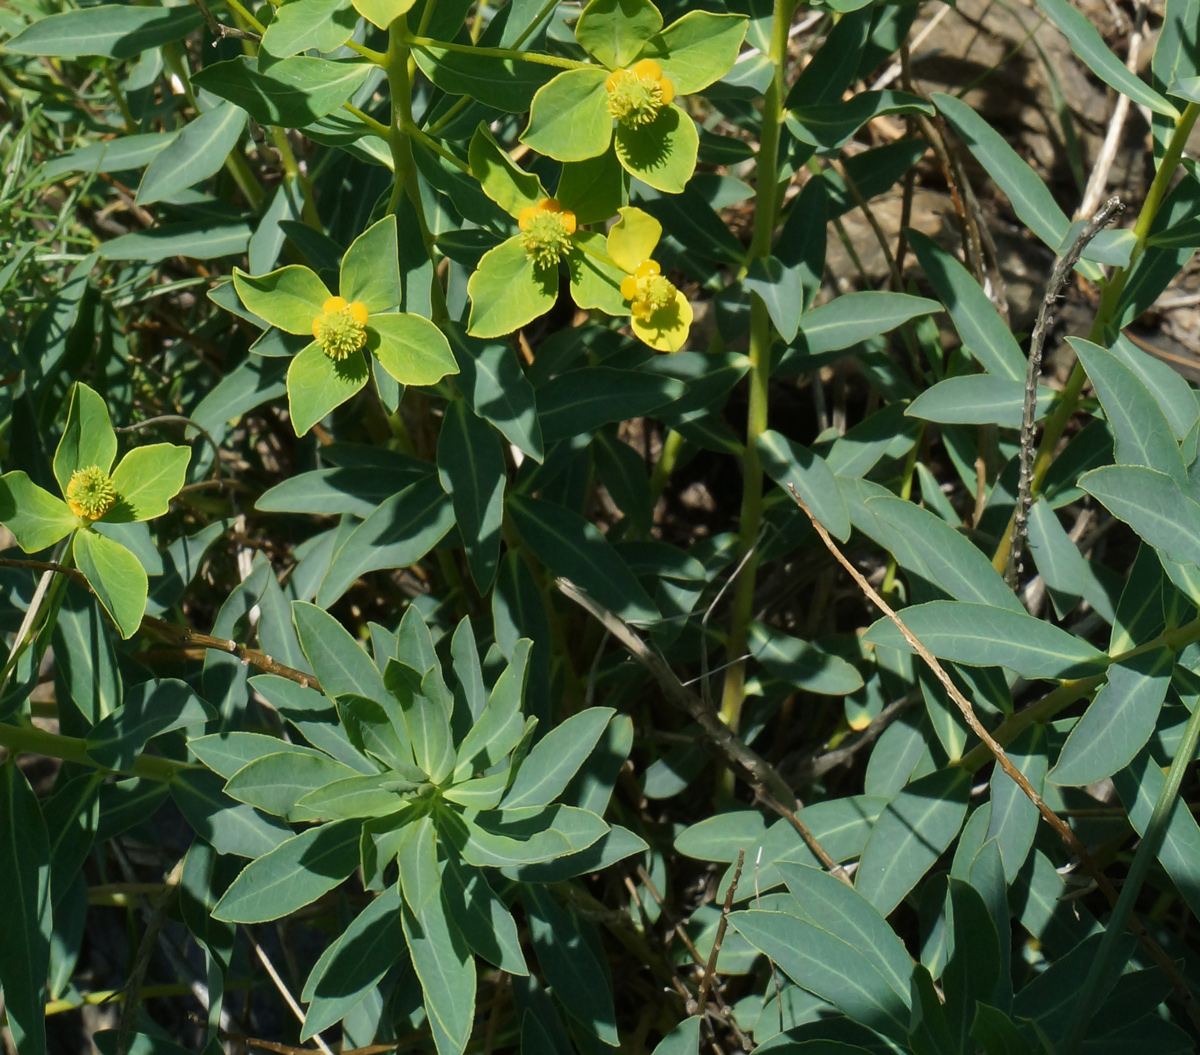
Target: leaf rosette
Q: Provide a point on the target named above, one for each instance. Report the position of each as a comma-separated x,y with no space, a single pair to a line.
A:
361,317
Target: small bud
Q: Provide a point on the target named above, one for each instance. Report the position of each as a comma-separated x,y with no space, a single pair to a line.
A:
90,493
647,290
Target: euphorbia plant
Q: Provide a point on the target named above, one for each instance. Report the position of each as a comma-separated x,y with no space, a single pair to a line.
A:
95,495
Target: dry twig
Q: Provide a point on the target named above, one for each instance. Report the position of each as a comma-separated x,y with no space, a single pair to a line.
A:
710,968
1063,267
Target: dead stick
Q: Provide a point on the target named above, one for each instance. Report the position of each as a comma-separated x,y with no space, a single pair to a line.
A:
1061,271
710,969
764,777
968,712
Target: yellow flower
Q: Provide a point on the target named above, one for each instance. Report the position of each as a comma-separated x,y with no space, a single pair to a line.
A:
636,95
660,314
90,493
340,329
546,230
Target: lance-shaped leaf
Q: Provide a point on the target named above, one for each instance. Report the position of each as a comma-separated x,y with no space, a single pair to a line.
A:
291,93
472,470
446,970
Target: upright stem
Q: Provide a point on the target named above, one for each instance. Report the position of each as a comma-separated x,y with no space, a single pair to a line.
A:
1057,422
1106,963
766,206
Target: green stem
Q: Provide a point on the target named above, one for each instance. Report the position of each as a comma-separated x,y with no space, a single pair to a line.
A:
671,449
765,208
438,149
29,739
504,53
378,127
1058,420
1106,963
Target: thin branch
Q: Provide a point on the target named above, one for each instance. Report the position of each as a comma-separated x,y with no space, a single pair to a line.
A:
762,776
710,968
1001,756
290,1000
220,30
1061,272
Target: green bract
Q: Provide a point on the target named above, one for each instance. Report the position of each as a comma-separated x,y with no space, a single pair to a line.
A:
94,493
332,368
629,104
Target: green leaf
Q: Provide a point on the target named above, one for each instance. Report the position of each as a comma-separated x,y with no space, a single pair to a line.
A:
684,1039
230,827
502,179
355,964
472,470
378,732
498,838
149,710
35,517
698,49
1174,395
1062,566
910,835
595,283
498,728
787,462
302,25
1143,436
226,753
446,970
827,966
88,437
293,875
1118,722
971,973
1140,784
420,880
978,399
290,298
370,270
276,782
801,664
291,93
556,758
854,317
781,290
340,663
593,189
569,118
1031,199
507,84
507,291
662,154
485,922
1013,819
197,240
146,480
614,31
318,384
25,923
117,31
721,836
581,401
113,155
574,548
342,489
982,635
1151,503
410,348
983,332
116,576
425,719
830,126
573,968
1087,43
362,795
827,902
946,558
196,153
496,388
399,533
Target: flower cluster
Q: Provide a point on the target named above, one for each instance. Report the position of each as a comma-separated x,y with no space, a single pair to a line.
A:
341,328
636,95
90,492
546,230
